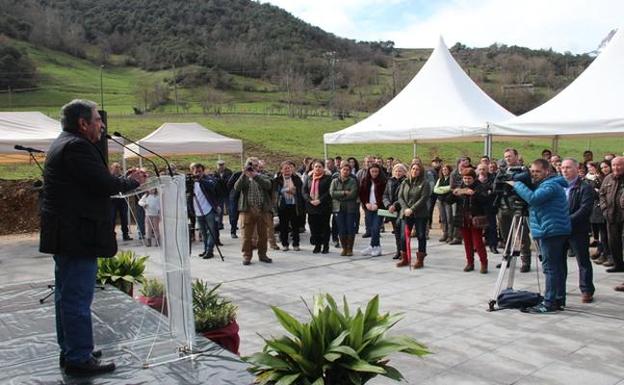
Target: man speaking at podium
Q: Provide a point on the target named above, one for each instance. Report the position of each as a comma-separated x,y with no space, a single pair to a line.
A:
76,228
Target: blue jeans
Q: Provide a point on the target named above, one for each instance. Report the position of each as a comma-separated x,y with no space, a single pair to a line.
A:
74,280
345,222
579,243
553,259
374,225
208,228
421,232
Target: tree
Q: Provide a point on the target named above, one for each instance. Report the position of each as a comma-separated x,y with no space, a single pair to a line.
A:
16,69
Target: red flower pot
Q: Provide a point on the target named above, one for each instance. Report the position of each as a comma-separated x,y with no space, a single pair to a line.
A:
226,337
157,303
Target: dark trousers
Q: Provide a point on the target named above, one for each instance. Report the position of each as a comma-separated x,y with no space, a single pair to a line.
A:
505,219
553,260
614,231
233,213
334,228
579,243
121,206
288,220
397,229
603,243
319,228
345,222
207,227
432,203
491,233
140,218
74,280
421,232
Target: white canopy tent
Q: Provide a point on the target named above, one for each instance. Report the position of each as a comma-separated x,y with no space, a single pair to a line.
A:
441,103
30,129
590,106
185,138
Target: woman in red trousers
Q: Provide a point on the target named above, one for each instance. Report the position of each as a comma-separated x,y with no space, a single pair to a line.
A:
472,198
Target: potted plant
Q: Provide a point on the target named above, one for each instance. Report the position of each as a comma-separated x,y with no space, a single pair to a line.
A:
215,316
122,271
334,348
153,295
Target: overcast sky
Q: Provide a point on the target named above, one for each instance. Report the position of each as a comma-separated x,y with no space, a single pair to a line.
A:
563,25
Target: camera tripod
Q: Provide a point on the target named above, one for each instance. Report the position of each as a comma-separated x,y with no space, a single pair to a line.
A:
513,244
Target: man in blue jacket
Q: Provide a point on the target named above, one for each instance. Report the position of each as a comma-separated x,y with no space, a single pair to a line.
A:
581,202
549,221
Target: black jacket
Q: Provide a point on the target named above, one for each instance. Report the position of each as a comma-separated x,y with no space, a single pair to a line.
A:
469,206
279,183
581,203
325,206
76,203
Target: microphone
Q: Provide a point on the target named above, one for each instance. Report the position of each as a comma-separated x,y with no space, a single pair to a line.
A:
141,156
29,149
116,133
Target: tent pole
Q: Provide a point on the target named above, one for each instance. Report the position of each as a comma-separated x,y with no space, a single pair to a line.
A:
414,150
555,144
325,150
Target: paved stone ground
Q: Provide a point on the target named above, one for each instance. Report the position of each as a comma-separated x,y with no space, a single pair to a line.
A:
444,308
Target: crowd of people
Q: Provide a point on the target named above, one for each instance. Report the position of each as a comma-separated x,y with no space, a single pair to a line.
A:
333,196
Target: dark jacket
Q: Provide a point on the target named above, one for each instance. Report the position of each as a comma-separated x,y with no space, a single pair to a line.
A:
608,191
596,215
211,189
469,206
279,183
548,207
76,202
581,202
391,194
365,188
324,197
414,194
264,184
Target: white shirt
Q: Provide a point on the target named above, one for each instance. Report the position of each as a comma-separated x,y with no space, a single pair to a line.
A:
371,198
204,206
151,204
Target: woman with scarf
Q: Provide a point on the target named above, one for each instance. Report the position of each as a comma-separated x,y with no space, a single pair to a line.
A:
443,190
414,195
371,192
391,201
289,204
318,205
344,193
471,198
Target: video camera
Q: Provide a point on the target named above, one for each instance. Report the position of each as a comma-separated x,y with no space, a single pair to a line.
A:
505,193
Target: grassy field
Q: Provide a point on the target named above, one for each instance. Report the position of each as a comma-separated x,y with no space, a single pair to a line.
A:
277,138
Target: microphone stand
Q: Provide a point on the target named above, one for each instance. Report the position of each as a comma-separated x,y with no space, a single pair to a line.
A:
148,150
136,153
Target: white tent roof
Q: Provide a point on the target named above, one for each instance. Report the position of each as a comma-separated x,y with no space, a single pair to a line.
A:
590,105
186,138
440,103
30,129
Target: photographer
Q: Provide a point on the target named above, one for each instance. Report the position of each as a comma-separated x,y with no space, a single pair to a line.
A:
506,213
550,226
255,201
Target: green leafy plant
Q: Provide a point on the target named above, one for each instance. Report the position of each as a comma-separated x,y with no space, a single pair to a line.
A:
211,310
152,287
122,271
335,348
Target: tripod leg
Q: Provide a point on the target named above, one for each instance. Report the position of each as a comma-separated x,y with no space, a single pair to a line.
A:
506,259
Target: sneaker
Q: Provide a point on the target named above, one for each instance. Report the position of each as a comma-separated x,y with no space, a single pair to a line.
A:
367,251
539,309
376,251
296,248
285,248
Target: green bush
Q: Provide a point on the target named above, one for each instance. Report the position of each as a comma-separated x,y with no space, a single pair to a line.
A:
334,348
211,310
122,271
152,287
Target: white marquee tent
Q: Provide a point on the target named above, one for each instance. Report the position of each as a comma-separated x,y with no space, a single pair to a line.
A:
185,138
30,129
441,103
591,105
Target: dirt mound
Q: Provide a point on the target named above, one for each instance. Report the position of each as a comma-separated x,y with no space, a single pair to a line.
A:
19,201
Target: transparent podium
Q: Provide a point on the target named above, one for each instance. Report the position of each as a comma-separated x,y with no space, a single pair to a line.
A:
177,342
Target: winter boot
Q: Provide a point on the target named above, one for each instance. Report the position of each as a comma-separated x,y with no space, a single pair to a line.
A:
420,260
403,262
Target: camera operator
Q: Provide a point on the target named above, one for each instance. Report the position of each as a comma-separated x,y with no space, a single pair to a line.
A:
255,201
506,213
581,201
206,207
550,226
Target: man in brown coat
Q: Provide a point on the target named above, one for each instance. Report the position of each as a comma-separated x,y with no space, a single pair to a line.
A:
612,205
